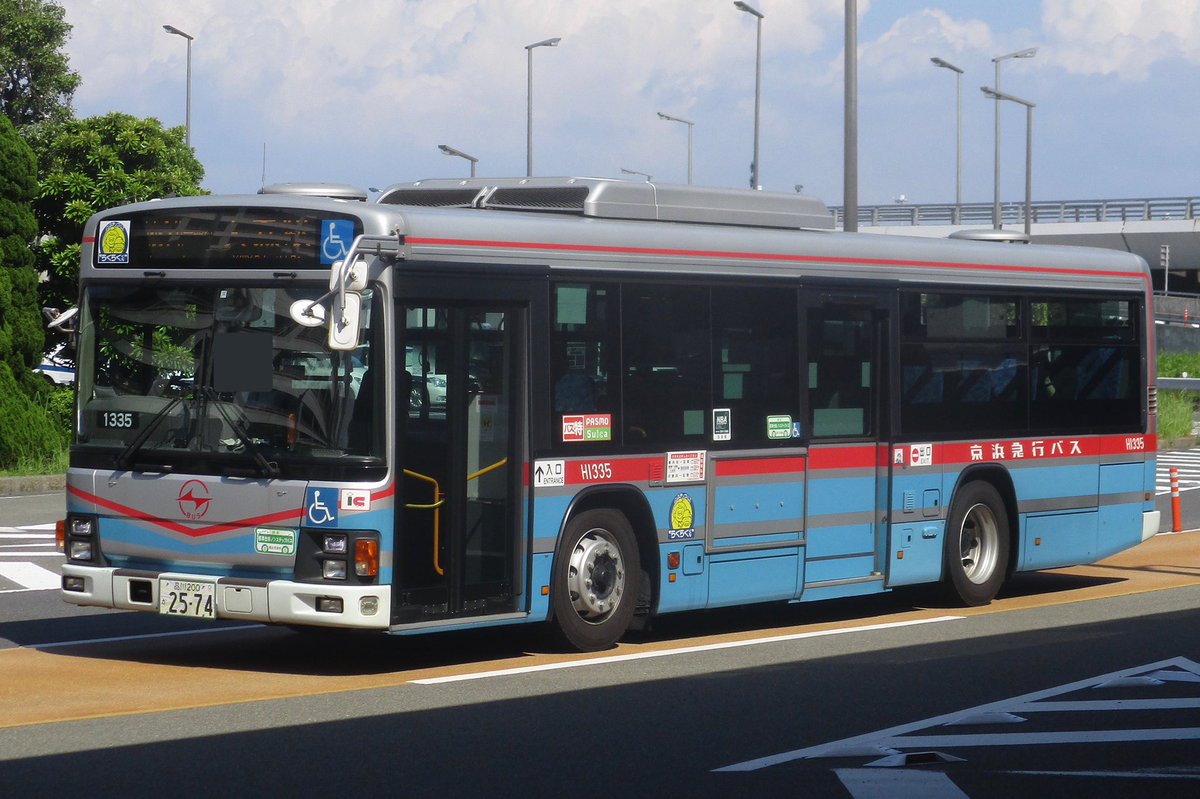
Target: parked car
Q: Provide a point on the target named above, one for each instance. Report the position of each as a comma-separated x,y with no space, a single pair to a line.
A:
58,366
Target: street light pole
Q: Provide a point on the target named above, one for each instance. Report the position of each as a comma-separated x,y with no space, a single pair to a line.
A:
448,150
998,96
850,120
1029,52
741,6
529,100
690,125
188,118
958,73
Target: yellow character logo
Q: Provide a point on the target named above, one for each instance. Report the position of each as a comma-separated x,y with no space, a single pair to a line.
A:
683,513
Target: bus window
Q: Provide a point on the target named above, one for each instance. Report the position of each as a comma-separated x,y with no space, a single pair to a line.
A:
756,361
841,382
581,346
665,357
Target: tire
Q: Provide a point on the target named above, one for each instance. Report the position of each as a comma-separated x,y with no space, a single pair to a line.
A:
976,544
594,589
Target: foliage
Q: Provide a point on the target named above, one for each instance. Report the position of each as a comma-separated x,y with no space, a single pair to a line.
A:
1175,411
36,82
88,165
1178,364
21,335
27,435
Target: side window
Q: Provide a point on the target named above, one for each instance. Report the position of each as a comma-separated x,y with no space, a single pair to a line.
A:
756,363
842,384
665,358
1084,370
962,364
582,348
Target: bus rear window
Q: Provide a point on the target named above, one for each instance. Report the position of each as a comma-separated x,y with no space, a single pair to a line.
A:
280,239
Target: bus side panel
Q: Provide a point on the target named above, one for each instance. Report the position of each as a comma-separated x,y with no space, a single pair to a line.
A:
841,515
1121,498
918,514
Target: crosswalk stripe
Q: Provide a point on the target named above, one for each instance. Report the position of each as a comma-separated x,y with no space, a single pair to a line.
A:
29,575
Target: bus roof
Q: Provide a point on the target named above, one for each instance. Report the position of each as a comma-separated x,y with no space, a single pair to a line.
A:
591,223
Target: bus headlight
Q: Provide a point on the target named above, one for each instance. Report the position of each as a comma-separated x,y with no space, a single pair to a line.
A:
80,550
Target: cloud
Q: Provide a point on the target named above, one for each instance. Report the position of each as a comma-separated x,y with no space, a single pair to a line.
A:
1120,37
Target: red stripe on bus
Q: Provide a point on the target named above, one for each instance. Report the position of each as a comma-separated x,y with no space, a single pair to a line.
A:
857,457
294,516
751,466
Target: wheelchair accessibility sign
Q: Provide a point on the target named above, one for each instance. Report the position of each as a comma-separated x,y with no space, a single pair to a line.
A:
336,237
321,506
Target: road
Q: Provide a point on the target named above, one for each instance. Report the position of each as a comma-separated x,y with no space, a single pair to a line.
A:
1083,681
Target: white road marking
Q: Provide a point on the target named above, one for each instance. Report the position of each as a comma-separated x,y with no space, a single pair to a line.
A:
875,783
29,575
687,650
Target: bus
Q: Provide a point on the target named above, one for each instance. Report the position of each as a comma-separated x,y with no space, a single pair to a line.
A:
586,403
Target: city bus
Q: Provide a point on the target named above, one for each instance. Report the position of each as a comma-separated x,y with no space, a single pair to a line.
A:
586,403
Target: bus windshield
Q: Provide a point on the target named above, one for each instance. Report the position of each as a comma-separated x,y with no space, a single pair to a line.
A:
221,380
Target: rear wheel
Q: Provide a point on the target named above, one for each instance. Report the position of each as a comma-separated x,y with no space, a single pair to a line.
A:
976,546
594,590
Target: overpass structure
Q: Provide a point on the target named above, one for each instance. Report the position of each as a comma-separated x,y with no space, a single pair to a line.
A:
1165,231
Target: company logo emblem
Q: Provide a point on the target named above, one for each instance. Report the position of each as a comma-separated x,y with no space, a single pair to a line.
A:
113,243
194,499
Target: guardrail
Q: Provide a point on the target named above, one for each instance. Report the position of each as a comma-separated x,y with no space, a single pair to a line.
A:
1136,210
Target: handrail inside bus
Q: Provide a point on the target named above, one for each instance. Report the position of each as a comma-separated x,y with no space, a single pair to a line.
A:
438,501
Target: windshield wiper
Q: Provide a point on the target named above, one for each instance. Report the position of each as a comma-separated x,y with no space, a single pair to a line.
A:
125,458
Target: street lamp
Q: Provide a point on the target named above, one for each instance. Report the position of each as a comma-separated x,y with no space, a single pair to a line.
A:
998,96
635,172
757,86
1028,52
188,119
958,73
690,126
448,150
529,101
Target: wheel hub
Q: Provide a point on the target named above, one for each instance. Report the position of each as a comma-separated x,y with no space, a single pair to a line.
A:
596,578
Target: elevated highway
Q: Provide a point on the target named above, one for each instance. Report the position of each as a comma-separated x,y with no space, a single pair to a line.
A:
1140,226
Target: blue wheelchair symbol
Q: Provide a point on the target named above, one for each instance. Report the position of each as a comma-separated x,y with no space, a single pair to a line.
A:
321,505
336,237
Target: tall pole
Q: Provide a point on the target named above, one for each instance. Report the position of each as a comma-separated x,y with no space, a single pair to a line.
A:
529,101
754,184
958,73
998,96
690,125
188,118
1027,53
850,142
448,150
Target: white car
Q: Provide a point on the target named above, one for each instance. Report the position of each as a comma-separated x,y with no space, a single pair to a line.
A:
58,366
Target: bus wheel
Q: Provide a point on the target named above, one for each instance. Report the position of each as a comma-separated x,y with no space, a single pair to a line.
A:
594,590
976,547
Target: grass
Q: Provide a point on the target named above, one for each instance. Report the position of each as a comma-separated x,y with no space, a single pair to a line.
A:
1175,410
32,465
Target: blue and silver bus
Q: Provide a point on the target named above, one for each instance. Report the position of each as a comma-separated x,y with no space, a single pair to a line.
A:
587,403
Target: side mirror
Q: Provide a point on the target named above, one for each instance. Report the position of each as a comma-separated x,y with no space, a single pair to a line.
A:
343,321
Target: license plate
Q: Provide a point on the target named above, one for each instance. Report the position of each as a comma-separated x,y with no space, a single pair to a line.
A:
195,599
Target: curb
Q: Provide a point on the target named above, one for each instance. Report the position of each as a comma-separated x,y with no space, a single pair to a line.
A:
33,484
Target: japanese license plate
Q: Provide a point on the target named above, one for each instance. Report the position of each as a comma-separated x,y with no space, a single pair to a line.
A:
195,599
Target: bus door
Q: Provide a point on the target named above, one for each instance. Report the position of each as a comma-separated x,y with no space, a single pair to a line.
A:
458,506
847,497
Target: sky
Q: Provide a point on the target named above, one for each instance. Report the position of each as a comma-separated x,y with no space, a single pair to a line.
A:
363,91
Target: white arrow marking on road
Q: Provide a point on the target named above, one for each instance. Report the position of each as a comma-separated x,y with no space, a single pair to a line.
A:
30,575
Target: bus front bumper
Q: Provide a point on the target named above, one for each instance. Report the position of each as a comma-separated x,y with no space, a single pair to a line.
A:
269,601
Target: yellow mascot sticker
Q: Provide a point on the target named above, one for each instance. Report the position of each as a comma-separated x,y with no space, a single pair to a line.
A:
683,518
113,243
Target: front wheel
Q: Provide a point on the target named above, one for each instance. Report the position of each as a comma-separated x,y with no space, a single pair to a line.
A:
976,546
594,590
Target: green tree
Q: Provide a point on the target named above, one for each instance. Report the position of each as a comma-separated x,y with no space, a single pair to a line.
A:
88,165
36,82
21,335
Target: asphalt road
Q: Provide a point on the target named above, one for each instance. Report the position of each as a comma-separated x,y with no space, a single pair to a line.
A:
1078,682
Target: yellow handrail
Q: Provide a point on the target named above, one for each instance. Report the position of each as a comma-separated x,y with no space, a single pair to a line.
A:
438,502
